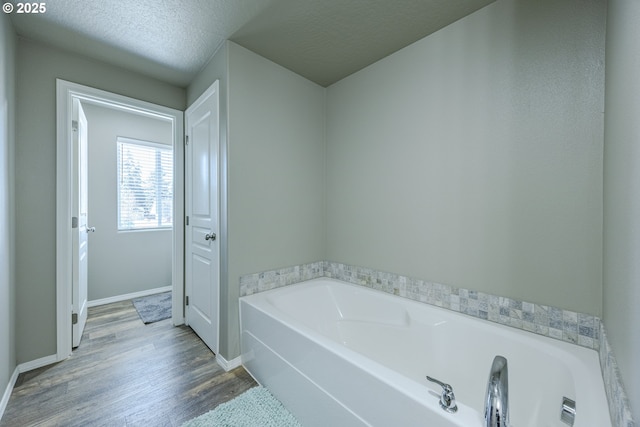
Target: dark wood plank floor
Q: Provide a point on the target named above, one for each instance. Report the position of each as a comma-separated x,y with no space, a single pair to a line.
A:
125,373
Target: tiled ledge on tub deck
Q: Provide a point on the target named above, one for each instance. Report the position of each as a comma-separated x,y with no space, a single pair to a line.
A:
576,328
569,326
619,408
260,282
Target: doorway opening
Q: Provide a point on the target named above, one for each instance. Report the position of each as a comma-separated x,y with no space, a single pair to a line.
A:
67,94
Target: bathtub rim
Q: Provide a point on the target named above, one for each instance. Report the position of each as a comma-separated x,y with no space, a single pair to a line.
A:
580,356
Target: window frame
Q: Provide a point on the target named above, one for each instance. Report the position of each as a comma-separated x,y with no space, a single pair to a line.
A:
159,148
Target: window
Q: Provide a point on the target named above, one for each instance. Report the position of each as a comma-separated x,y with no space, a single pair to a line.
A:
145,185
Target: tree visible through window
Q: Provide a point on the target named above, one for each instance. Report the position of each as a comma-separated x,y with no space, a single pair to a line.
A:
145,185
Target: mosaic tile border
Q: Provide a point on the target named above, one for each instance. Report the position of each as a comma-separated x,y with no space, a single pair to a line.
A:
572,327
260,282
575,328
569,326
619,408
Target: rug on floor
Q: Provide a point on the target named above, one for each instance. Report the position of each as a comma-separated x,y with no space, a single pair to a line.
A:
254,407
153,308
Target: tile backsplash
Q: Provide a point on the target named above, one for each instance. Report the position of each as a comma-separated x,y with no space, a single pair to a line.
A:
260,282
619,408
572,327
576,328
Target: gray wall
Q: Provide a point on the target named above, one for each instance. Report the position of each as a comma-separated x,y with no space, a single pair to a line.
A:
123,262
622,193
275,172
7,212
38,68
474,156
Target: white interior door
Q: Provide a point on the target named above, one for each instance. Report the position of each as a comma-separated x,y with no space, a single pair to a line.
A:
202,263
80,228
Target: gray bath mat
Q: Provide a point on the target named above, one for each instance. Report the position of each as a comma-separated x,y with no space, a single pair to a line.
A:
154,307
254,407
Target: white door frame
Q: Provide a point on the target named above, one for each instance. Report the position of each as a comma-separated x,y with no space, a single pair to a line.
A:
65,93
80,234
213,90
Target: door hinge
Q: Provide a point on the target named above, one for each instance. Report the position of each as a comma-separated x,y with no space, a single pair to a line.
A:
74,125
74,222
186,300
74,318
186,140
187,220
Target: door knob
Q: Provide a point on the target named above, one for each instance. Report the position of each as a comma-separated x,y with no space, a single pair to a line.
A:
210,236
91,229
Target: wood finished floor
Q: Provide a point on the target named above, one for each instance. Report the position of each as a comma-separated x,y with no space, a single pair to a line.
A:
125,373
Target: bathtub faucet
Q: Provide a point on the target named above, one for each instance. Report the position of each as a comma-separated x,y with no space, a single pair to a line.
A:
496,410
447,398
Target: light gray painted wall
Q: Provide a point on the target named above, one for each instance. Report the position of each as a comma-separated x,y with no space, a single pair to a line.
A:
38,68
621,298
275,172
7,212
121,262
474,156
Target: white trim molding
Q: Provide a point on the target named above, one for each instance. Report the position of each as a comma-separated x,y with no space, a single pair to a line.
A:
118,298
21,368
65,93
38,363
7,392
228,365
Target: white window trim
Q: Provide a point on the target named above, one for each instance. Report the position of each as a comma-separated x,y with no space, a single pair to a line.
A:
150,144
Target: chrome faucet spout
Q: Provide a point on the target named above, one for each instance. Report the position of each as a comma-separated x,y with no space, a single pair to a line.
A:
496,411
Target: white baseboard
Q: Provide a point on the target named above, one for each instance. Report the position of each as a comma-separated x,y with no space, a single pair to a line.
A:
38,363
8,391
228,365
23,367
118,298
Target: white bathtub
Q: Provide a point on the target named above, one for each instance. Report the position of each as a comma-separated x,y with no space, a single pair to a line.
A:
337,354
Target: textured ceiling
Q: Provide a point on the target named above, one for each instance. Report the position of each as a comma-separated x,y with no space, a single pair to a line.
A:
322,40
